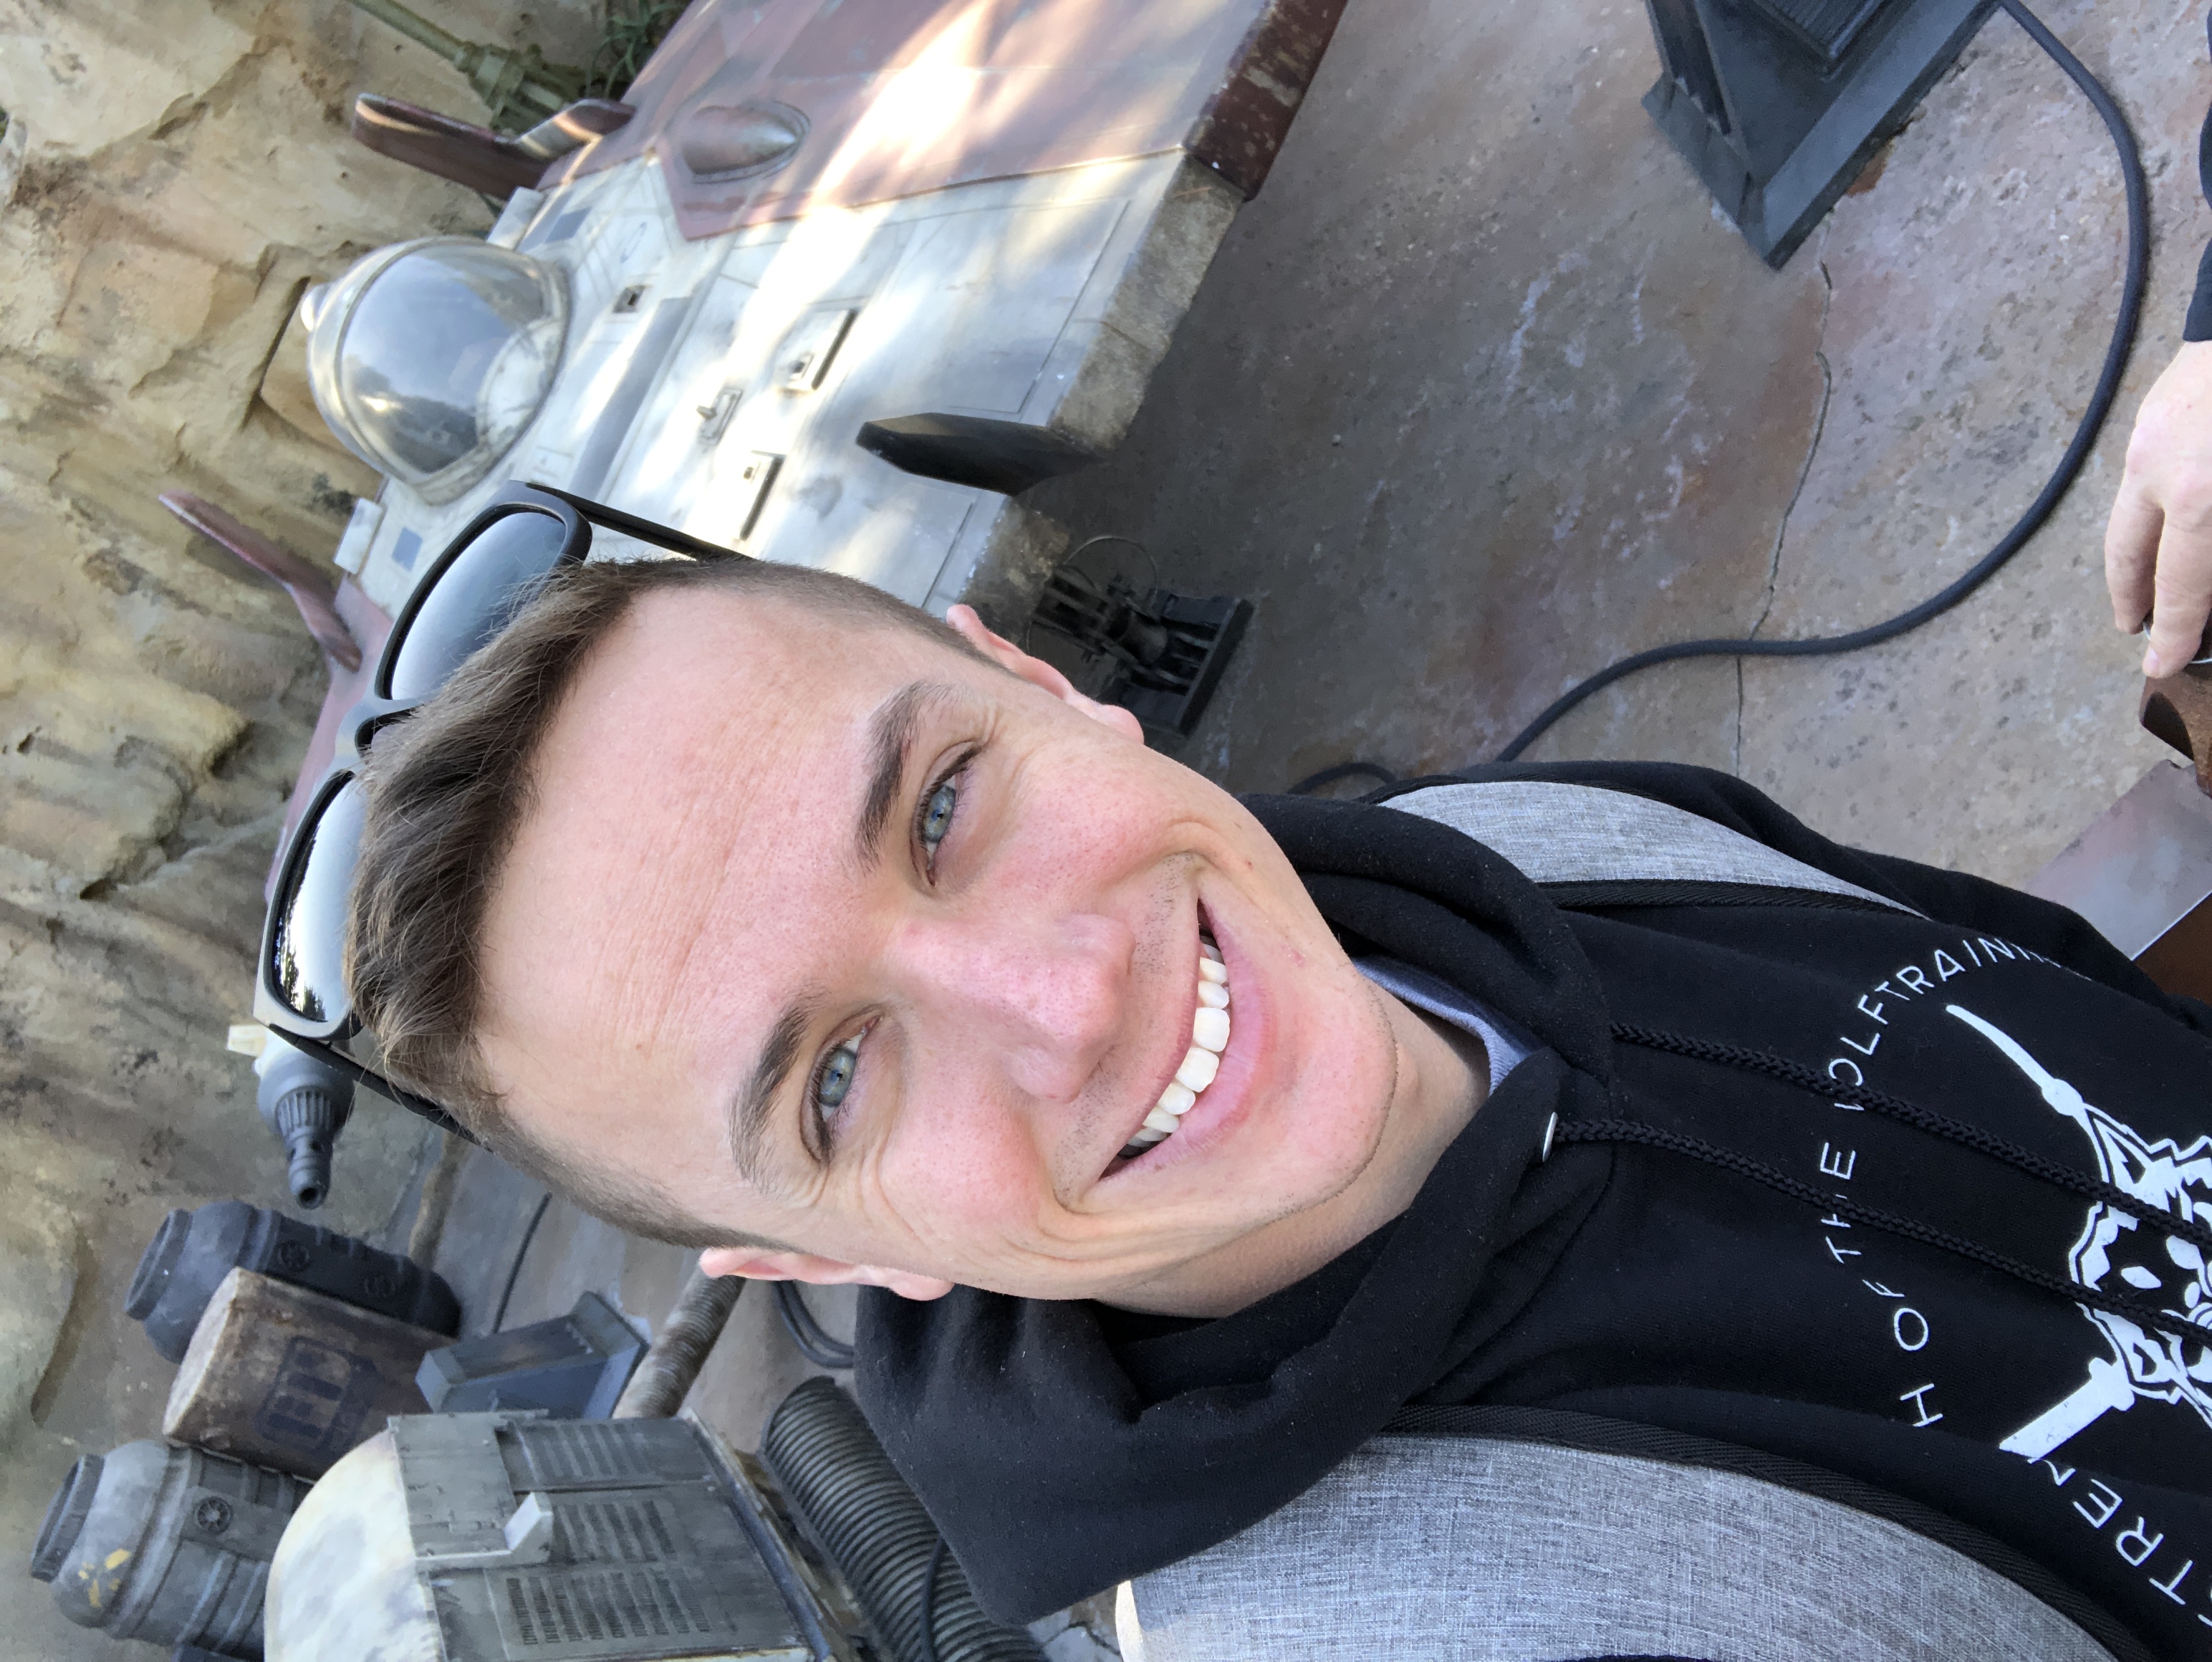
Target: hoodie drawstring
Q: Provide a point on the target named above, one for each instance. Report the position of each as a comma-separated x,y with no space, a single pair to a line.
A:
2059,1175
2078,1184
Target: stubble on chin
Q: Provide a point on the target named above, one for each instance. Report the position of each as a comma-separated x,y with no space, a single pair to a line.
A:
1376,1100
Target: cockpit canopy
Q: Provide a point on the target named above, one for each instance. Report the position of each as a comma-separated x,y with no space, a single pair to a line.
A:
428,358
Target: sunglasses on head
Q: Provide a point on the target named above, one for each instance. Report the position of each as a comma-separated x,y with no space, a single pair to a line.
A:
504,557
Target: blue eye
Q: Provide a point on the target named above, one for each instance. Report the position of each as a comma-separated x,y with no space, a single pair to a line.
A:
937,814
834,1078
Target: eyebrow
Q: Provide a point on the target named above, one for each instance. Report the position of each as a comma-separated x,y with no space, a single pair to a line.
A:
891,731
756,1106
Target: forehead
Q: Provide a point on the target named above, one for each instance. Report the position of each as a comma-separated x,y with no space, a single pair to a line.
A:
702,666
700,701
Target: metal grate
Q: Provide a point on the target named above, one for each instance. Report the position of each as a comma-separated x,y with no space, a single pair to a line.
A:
578,1452
612,1533
550,1614
1824,28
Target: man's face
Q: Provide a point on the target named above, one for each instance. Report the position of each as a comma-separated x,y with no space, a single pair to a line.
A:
845,940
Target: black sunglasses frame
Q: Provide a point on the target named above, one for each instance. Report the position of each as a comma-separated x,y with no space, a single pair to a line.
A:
323,1038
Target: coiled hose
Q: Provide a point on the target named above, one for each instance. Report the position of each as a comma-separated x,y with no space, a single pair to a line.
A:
872,1526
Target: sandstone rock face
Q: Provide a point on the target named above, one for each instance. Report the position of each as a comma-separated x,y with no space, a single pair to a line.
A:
175,174
38,1266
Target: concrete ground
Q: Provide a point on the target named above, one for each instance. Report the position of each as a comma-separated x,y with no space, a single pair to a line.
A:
1482,393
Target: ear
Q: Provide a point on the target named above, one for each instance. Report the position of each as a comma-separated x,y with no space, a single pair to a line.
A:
1038,673
756,1264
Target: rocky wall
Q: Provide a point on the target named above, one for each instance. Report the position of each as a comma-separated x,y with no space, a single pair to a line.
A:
175,174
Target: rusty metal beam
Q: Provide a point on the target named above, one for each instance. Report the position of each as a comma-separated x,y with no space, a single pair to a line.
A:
470,156
313,593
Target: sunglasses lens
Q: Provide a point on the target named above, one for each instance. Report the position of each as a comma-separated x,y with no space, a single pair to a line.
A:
473,598
306,970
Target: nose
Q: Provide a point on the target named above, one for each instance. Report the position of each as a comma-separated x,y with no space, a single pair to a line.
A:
1042,1001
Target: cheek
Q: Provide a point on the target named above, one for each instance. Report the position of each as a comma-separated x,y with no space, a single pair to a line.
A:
1098,803
963,1159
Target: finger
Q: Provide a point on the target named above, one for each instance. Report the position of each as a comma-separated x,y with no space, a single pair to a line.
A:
2131,538
2181,597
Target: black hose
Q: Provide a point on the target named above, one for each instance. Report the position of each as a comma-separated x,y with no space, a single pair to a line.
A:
861,1513
2204,132
815,1342
2084,434
514,1269
1313,781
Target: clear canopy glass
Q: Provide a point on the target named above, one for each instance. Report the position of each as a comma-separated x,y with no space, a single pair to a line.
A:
428,358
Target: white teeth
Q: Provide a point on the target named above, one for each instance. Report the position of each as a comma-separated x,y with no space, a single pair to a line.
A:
1209,1033
1209,1029
1198,1069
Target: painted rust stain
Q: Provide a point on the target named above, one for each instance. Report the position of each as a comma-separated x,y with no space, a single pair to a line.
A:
98,1588
1244,125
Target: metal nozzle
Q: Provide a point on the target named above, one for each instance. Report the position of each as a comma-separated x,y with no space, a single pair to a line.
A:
307,1104
308,1119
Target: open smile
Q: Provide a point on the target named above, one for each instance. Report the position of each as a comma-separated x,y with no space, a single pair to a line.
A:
1201,1061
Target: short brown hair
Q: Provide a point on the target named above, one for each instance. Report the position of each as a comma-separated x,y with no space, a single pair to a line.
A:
448,790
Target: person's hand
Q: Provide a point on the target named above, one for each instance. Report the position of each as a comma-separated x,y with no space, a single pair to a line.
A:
2158,545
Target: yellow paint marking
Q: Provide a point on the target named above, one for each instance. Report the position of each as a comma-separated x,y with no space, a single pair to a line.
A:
120,1555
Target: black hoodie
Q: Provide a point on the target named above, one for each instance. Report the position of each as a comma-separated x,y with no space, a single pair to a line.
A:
1717,1243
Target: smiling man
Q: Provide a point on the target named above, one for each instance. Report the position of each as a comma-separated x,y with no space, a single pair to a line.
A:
1026,991
1188,1141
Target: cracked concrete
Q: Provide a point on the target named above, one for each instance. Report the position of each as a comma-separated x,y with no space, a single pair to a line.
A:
1481,394
1781,529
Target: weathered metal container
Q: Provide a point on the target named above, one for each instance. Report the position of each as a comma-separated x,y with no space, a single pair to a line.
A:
292,1378
192,1252
490,1538
158,1542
